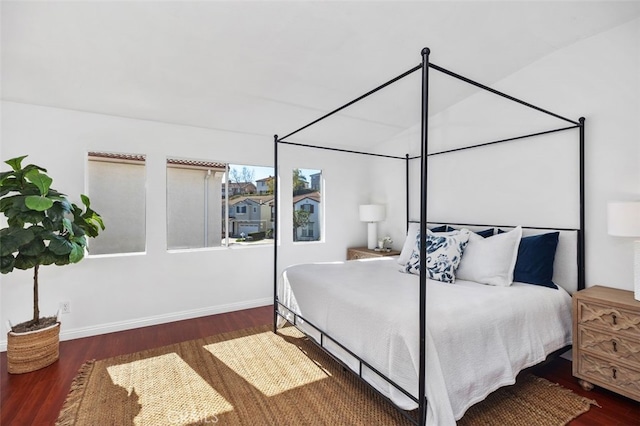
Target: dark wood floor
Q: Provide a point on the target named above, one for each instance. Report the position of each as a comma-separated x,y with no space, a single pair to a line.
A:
36,398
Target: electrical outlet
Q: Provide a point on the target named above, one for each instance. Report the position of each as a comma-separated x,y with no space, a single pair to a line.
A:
65,307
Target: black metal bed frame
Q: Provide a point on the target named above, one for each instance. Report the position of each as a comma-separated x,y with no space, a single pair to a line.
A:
425,66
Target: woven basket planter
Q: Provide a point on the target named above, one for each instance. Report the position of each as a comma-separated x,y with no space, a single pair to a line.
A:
32,351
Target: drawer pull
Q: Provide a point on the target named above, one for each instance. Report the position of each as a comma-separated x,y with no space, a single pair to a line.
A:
615,319
614,373
615,346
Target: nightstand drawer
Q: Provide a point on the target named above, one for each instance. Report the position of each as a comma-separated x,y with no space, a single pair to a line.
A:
355,255
616,347
610,374
609,318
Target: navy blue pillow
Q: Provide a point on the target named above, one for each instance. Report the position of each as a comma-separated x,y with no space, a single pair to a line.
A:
442,228
535,259
484,233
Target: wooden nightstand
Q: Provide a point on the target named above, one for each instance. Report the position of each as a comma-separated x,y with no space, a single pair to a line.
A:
606,340
365,253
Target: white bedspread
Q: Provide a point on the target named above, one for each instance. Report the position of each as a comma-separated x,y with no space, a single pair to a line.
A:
479,336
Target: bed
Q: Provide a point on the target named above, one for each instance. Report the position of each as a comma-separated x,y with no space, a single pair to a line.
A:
425,344
479,336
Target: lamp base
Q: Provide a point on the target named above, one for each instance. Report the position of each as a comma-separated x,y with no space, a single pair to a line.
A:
372,235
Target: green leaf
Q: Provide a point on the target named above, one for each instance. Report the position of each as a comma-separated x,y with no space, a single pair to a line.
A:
85,200
38,203
30,217
8,245
59,245
62,260
15,221
47,224
11,242
66,223
24,236
42,181
48,258
16,163
77,231
57,211
80,240
25,262
38,231
5,205
77,253
34,248
65,205
96,220
6,264
4,176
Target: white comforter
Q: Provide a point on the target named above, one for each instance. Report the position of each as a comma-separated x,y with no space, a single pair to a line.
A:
479,337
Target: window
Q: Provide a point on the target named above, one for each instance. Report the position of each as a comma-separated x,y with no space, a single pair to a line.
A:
194,205
116,186
307,230
307,204
217,204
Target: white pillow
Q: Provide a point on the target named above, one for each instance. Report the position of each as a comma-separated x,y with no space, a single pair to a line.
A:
409,242
490,260
444,251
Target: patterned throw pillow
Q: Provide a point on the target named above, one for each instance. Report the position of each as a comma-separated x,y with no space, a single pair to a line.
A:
444,252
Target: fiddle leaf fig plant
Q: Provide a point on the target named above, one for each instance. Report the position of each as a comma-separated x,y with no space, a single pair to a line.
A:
43,227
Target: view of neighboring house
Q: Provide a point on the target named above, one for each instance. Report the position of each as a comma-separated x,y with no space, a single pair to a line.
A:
250,213
315,181
239,188
309,228
265,185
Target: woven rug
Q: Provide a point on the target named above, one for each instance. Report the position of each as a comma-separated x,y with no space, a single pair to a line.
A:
253,376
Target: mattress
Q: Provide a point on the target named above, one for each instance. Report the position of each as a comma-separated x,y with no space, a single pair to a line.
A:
478,336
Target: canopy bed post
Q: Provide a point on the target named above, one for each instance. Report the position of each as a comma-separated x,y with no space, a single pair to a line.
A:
422,406
406,188
275,233
581,240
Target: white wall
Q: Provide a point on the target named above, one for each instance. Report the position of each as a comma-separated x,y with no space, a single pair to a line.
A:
120,292
598,78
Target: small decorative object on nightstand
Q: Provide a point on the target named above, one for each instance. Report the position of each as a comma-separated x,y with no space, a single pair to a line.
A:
365,253
606,340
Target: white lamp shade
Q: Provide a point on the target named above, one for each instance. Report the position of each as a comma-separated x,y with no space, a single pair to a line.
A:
624,219
372,212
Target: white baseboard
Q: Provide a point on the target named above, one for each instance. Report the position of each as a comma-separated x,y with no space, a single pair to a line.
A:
154,320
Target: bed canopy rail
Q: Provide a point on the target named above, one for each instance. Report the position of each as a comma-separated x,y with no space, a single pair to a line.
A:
499,93
425,66
358,99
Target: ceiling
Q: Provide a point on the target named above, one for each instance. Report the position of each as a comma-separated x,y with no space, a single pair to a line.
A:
265,67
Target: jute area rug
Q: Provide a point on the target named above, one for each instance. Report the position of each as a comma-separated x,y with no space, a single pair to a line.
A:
254,377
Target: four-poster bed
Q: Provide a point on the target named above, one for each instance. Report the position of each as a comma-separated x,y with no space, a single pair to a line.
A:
408,390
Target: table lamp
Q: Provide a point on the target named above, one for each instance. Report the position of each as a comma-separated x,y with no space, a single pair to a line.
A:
624,221
372,213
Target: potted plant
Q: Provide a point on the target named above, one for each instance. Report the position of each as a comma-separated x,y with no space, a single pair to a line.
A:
43,228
